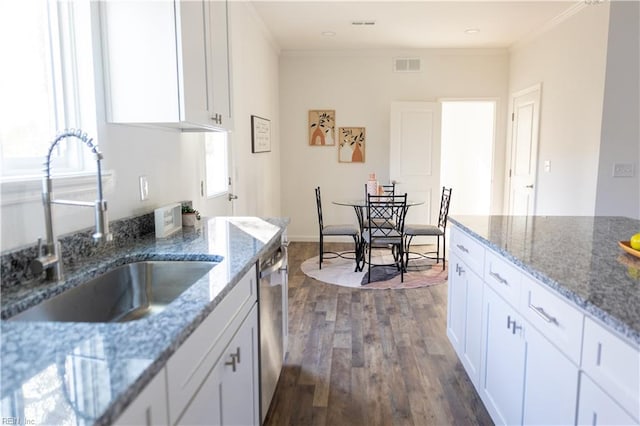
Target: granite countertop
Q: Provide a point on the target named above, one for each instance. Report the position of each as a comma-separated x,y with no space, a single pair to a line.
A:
577,256
87,373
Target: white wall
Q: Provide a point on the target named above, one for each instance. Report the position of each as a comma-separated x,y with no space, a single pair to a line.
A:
255,91
169,159
569,61
360,86
621,116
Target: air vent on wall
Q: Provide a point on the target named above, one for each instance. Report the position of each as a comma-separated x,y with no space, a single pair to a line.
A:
407,65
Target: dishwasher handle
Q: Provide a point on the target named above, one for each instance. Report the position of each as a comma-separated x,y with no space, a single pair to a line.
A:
275,266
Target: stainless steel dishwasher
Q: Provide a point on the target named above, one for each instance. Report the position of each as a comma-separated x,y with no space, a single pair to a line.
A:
272,307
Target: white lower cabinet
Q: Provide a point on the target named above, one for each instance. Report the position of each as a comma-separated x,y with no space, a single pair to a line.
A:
527,380
464,316
229,394
503,378
550,383
542,361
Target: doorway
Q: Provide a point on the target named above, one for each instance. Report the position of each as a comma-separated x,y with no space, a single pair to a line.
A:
468,134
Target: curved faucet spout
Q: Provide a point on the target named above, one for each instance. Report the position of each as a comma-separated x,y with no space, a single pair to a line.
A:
49,255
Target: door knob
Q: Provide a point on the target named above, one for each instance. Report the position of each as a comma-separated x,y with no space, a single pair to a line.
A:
232,197
529,186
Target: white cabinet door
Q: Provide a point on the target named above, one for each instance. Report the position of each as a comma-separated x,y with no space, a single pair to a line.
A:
219,63
464,319
472,353
192,61
551,383
597,408
229,394
504,363
239,384
150,406
456,311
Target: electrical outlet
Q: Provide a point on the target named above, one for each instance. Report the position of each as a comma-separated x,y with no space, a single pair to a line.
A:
547,166
144,188
623,170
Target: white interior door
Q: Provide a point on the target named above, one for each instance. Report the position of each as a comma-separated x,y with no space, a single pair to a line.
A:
414,160
525,120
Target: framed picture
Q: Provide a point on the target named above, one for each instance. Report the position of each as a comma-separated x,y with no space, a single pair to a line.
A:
352,144
260,134
322,124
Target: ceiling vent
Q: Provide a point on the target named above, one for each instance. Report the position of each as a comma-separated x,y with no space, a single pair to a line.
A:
407,65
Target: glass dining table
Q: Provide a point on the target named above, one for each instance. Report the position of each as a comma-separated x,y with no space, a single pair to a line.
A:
359,206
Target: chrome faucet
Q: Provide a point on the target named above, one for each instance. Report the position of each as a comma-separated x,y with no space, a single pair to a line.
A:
49,253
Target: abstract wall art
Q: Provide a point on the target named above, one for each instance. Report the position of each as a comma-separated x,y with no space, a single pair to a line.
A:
352,145
322,127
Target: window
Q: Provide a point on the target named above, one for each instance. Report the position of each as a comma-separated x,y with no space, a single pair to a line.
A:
216,163
47,84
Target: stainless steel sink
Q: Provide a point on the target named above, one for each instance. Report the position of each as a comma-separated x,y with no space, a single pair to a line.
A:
126,293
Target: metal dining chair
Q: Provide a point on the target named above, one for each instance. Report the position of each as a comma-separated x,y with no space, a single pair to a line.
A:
386,231
438,231
349,230
385,216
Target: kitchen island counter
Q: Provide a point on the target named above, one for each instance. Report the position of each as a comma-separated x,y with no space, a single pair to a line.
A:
88,373
578,257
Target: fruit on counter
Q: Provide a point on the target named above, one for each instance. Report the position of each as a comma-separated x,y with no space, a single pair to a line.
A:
634,242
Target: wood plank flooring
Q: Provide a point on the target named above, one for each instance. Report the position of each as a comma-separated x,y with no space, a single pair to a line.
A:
369,357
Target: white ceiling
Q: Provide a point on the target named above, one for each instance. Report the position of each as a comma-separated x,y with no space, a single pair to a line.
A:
299,24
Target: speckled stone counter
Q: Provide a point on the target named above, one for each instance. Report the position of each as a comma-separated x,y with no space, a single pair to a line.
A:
83,373
578,257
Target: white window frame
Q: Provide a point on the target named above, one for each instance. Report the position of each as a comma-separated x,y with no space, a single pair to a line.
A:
74,105
73,87
221,160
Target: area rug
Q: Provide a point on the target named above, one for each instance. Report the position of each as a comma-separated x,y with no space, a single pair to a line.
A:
339,271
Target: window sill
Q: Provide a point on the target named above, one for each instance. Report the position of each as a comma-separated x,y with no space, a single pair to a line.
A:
29,189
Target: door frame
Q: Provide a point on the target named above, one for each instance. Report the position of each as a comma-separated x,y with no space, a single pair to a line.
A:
509,152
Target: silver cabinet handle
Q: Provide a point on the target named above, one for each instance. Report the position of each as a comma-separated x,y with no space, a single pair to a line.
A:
463,248
529,186
459,270
498,278
543,314
232,363
512,324
235,358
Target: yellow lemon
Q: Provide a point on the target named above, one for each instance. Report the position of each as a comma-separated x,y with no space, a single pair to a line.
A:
635,241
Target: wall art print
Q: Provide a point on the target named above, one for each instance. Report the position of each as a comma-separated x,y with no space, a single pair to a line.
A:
352,145
322,127
260,134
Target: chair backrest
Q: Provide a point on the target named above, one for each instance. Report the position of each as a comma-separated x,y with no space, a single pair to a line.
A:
386,190
319,207
445,200
389,212
389,189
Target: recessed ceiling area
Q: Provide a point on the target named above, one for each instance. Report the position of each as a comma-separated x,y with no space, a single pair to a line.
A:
299,25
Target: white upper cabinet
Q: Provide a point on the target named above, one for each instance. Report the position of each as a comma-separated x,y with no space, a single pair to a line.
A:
166,63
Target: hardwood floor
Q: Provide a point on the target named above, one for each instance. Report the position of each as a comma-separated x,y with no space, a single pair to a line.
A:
369,357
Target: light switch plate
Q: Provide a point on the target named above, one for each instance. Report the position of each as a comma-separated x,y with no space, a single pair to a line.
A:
623,170
144,188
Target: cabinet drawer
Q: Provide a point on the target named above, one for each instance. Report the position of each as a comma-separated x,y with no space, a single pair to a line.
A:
556,319
469,250
190,364
613,364
503,277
